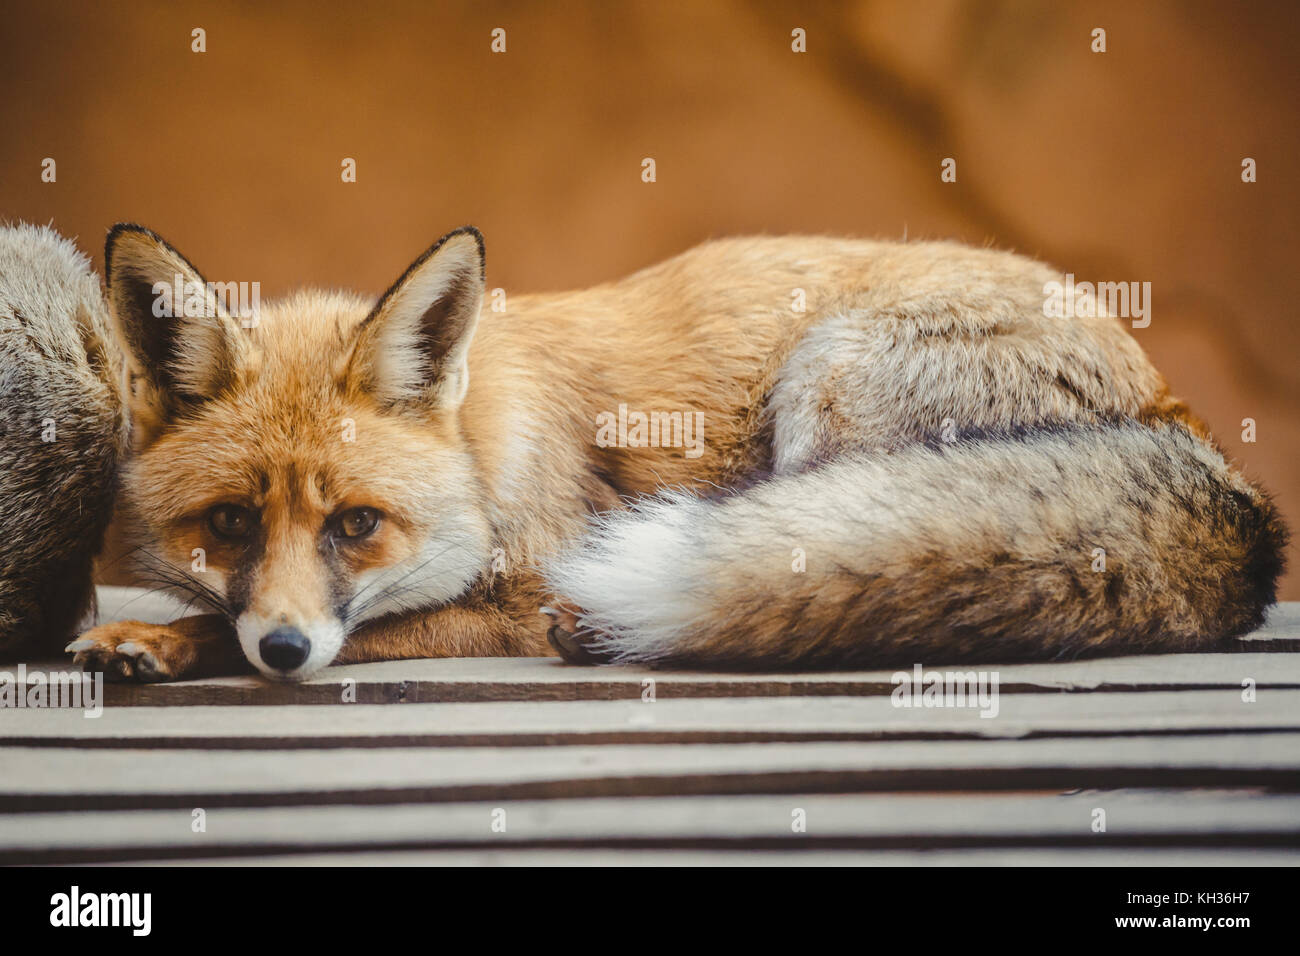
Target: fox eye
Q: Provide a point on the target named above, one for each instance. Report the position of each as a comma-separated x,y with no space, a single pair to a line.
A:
357,522
231,521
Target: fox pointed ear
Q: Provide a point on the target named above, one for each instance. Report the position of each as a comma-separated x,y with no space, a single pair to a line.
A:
179,337
414,345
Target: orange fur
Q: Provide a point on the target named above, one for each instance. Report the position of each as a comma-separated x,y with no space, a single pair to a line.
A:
332,403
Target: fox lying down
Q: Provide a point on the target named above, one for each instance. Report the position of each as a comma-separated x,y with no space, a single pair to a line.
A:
920,464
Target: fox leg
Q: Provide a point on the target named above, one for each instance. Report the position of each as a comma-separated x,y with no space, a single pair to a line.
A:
574,642
203,645
884,374
507,625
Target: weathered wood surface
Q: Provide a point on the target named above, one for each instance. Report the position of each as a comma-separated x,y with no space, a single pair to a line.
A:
662,858
467,679
929,822
62,778
716,720
533,679
114,603
587,771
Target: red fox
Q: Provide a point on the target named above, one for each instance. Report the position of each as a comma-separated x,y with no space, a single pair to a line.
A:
763,453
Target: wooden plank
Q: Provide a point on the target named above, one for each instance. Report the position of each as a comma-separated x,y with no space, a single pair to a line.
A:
1133,819
1283,621
539,678
718,720
698,858
74,778
114,603
505,679
1280,633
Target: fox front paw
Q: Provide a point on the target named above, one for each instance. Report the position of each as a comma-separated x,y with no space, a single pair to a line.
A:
135,651
573,642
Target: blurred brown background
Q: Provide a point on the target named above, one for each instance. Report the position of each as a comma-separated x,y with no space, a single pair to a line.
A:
1122,166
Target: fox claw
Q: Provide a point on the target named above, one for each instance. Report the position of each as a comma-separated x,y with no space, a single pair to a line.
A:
573,642
146,665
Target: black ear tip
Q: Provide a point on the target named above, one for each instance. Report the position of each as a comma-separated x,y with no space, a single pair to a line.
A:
437,246
131,230
117,232
482,250
469,231
120,229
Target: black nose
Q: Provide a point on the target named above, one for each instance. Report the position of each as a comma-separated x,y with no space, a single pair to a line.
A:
285,648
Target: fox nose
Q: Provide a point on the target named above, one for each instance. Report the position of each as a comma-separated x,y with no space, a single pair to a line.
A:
285,648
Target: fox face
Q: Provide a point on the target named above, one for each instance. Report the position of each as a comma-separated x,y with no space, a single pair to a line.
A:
301,471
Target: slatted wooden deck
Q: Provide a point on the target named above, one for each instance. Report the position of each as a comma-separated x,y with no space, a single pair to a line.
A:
531,761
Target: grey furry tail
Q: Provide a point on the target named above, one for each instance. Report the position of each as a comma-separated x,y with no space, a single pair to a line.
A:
1055,543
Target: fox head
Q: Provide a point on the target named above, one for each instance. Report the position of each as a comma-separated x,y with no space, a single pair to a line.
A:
300,470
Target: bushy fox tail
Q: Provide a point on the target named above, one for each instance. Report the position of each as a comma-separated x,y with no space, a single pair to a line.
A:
1053,543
